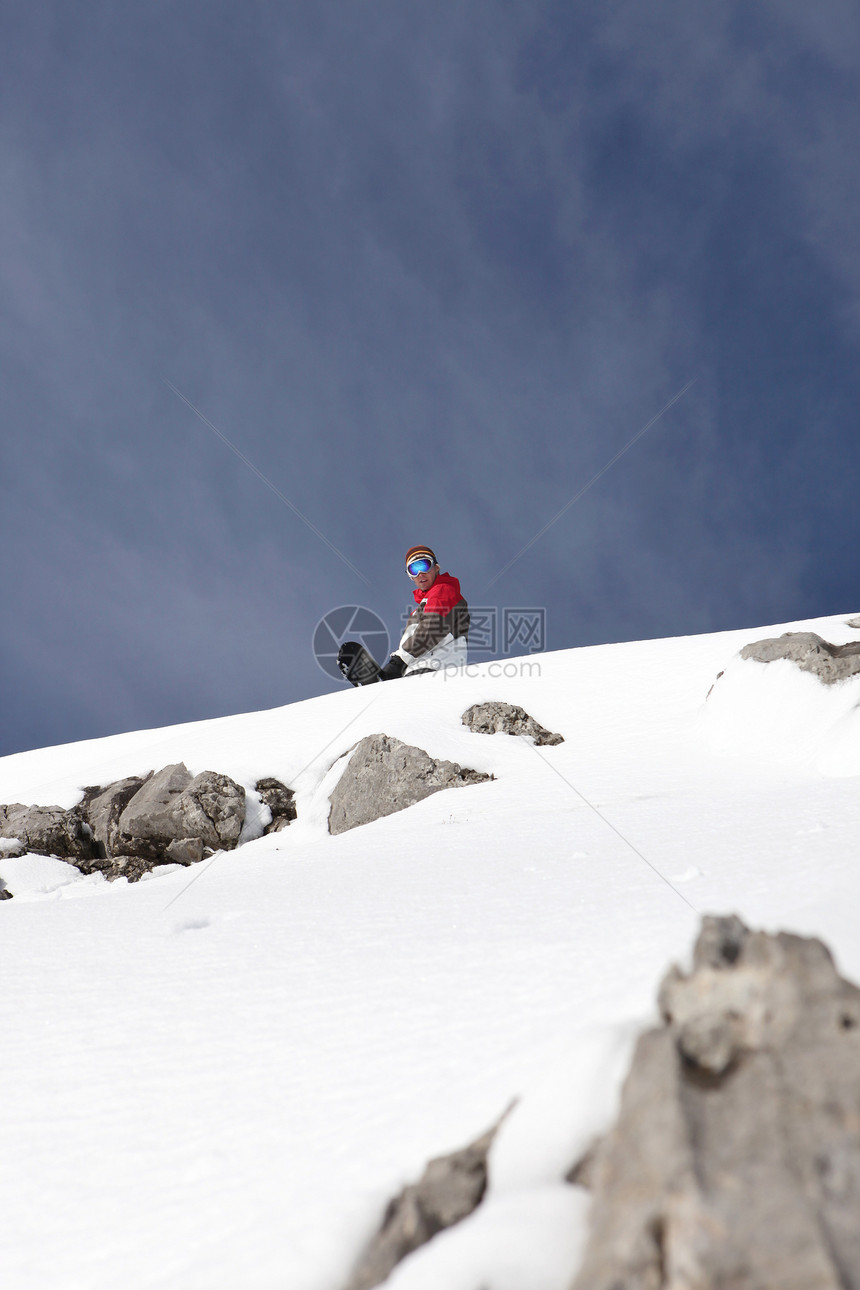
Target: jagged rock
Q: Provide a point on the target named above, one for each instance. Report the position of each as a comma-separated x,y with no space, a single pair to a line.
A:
171,805
384,775
102,808
48,831
154,815
184,851
811,653
5,893
509,719
450,1188
735,1160
133,824
280,801
131,867
222,802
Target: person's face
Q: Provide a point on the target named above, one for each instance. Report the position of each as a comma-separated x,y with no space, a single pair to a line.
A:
424,581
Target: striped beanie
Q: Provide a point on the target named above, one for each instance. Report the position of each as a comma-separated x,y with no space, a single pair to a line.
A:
416,553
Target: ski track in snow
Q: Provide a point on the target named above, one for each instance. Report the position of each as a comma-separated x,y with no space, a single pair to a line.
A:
218,1077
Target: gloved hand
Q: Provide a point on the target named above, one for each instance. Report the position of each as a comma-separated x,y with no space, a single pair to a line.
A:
394,668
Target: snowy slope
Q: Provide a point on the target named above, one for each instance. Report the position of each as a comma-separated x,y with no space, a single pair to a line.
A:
218,1076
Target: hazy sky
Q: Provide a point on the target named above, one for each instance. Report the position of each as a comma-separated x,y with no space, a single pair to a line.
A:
428,267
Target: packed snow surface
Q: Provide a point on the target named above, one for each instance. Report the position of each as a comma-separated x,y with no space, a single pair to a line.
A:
218,1076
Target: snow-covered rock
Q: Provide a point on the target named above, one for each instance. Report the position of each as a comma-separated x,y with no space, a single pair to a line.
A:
450,1189
136,823
811,653
385,775
509,719
736,1156
766,707
47,830
102,808
176,805
280,802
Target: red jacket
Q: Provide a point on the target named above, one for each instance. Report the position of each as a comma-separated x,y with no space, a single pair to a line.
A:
441,610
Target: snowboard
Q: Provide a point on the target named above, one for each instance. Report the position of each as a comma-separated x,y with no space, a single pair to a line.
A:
359,667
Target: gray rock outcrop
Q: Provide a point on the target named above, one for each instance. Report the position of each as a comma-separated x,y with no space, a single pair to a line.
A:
735,1160
102,808
174,806
450,1188
127,828
384,775
811,653
131,867
48,831
280,801
509,719
184,851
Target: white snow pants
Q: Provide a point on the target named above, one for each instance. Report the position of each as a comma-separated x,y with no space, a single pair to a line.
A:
450,652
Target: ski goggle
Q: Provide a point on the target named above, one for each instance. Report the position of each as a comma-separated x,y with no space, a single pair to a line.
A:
422,565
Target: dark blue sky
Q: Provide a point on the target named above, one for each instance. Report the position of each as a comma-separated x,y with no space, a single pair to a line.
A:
429,268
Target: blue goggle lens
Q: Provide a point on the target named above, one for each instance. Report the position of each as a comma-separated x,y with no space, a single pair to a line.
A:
419,566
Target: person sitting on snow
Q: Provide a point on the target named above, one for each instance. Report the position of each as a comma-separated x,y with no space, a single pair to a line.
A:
437,630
